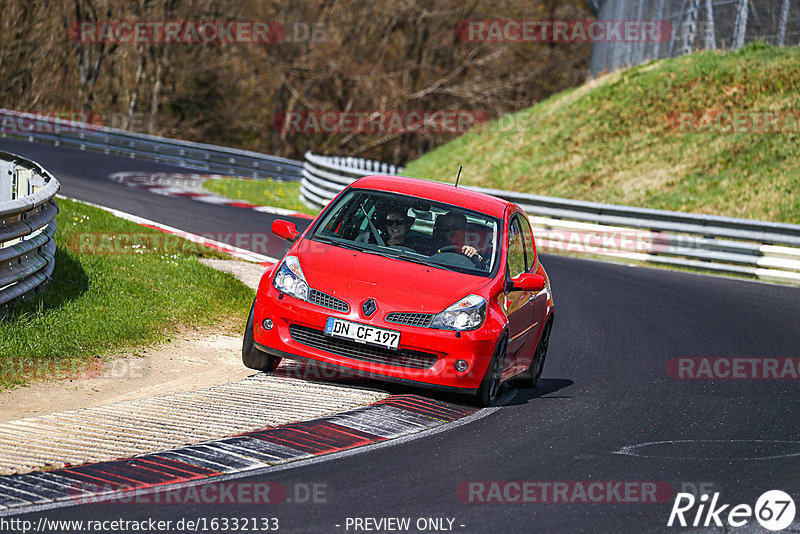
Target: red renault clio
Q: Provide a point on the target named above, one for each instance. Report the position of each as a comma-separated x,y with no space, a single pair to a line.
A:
409,281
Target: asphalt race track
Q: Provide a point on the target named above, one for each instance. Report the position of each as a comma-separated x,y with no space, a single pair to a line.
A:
84,176
607,409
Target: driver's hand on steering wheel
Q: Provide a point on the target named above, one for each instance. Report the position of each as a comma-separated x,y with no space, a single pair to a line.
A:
471,253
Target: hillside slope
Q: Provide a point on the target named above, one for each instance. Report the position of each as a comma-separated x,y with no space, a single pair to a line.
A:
660,135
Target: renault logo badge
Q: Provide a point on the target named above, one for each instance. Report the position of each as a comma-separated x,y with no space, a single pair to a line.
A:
369,307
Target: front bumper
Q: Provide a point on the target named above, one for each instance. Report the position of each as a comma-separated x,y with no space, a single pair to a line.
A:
475,347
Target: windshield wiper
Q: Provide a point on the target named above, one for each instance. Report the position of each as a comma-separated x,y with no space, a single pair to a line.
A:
351,246
335,242
415,259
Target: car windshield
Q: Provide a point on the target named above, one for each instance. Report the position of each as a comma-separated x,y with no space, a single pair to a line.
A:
412,229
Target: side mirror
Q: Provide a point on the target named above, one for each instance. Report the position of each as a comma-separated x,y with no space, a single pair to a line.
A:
528,282
285,230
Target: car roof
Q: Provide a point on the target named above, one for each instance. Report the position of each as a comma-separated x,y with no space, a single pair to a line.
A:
438,191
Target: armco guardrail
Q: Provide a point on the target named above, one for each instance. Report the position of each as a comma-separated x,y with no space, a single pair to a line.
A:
86,136
324,176
761,249
27,226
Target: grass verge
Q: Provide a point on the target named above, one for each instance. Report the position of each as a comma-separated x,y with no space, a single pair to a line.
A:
268,192
624,139
116,286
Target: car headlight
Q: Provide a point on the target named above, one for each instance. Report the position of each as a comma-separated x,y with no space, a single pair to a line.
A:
466,314
290,280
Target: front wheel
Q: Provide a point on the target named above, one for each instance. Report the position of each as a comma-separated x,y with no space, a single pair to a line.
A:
489,389
251,356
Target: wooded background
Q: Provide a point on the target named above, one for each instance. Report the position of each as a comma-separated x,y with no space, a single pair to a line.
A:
375,55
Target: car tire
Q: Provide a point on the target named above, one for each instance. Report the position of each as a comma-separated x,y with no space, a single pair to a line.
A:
489,389
252,357
530,378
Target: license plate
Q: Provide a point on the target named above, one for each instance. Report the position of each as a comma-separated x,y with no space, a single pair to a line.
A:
362,333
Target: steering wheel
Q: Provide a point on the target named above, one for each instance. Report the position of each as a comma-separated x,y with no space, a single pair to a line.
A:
477,260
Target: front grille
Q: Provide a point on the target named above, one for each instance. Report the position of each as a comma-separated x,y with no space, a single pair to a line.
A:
327,301
410,319
359,351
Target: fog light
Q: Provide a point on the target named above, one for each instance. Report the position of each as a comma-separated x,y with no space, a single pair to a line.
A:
267,324
460,366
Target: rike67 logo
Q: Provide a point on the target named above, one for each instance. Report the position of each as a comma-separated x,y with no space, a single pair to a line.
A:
774,510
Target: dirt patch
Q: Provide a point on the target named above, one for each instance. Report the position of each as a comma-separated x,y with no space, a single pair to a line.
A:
187,363
190,361
248,273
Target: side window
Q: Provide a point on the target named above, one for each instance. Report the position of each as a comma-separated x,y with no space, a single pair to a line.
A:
516,249
530,253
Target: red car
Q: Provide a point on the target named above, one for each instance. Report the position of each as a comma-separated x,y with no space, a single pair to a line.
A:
409,281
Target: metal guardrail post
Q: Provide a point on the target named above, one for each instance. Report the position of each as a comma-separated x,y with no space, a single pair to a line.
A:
740,29
782,22
27,226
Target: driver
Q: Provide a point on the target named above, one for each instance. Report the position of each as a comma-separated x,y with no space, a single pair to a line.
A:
450,231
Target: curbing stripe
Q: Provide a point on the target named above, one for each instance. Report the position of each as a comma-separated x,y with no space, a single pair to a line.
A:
46,479
136,473
165,472
97,471
316,437
181,455
91,484
12,502
190,186
193,471
222,455
252,454
264,447
199,457
23,495
386,421
437,410
394,417
38,488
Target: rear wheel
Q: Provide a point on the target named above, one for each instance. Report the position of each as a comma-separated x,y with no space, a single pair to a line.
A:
530,378
251,356
489,389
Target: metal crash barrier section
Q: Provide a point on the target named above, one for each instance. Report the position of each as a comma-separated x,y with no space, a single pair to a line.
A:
27,226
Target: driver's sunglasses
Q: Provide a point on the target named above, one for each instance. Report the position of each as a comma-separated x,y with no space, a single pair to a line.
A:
392,222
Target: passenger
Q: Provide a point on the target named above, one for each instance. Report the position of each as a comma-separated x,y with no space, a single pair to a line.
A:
448,235
397,224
